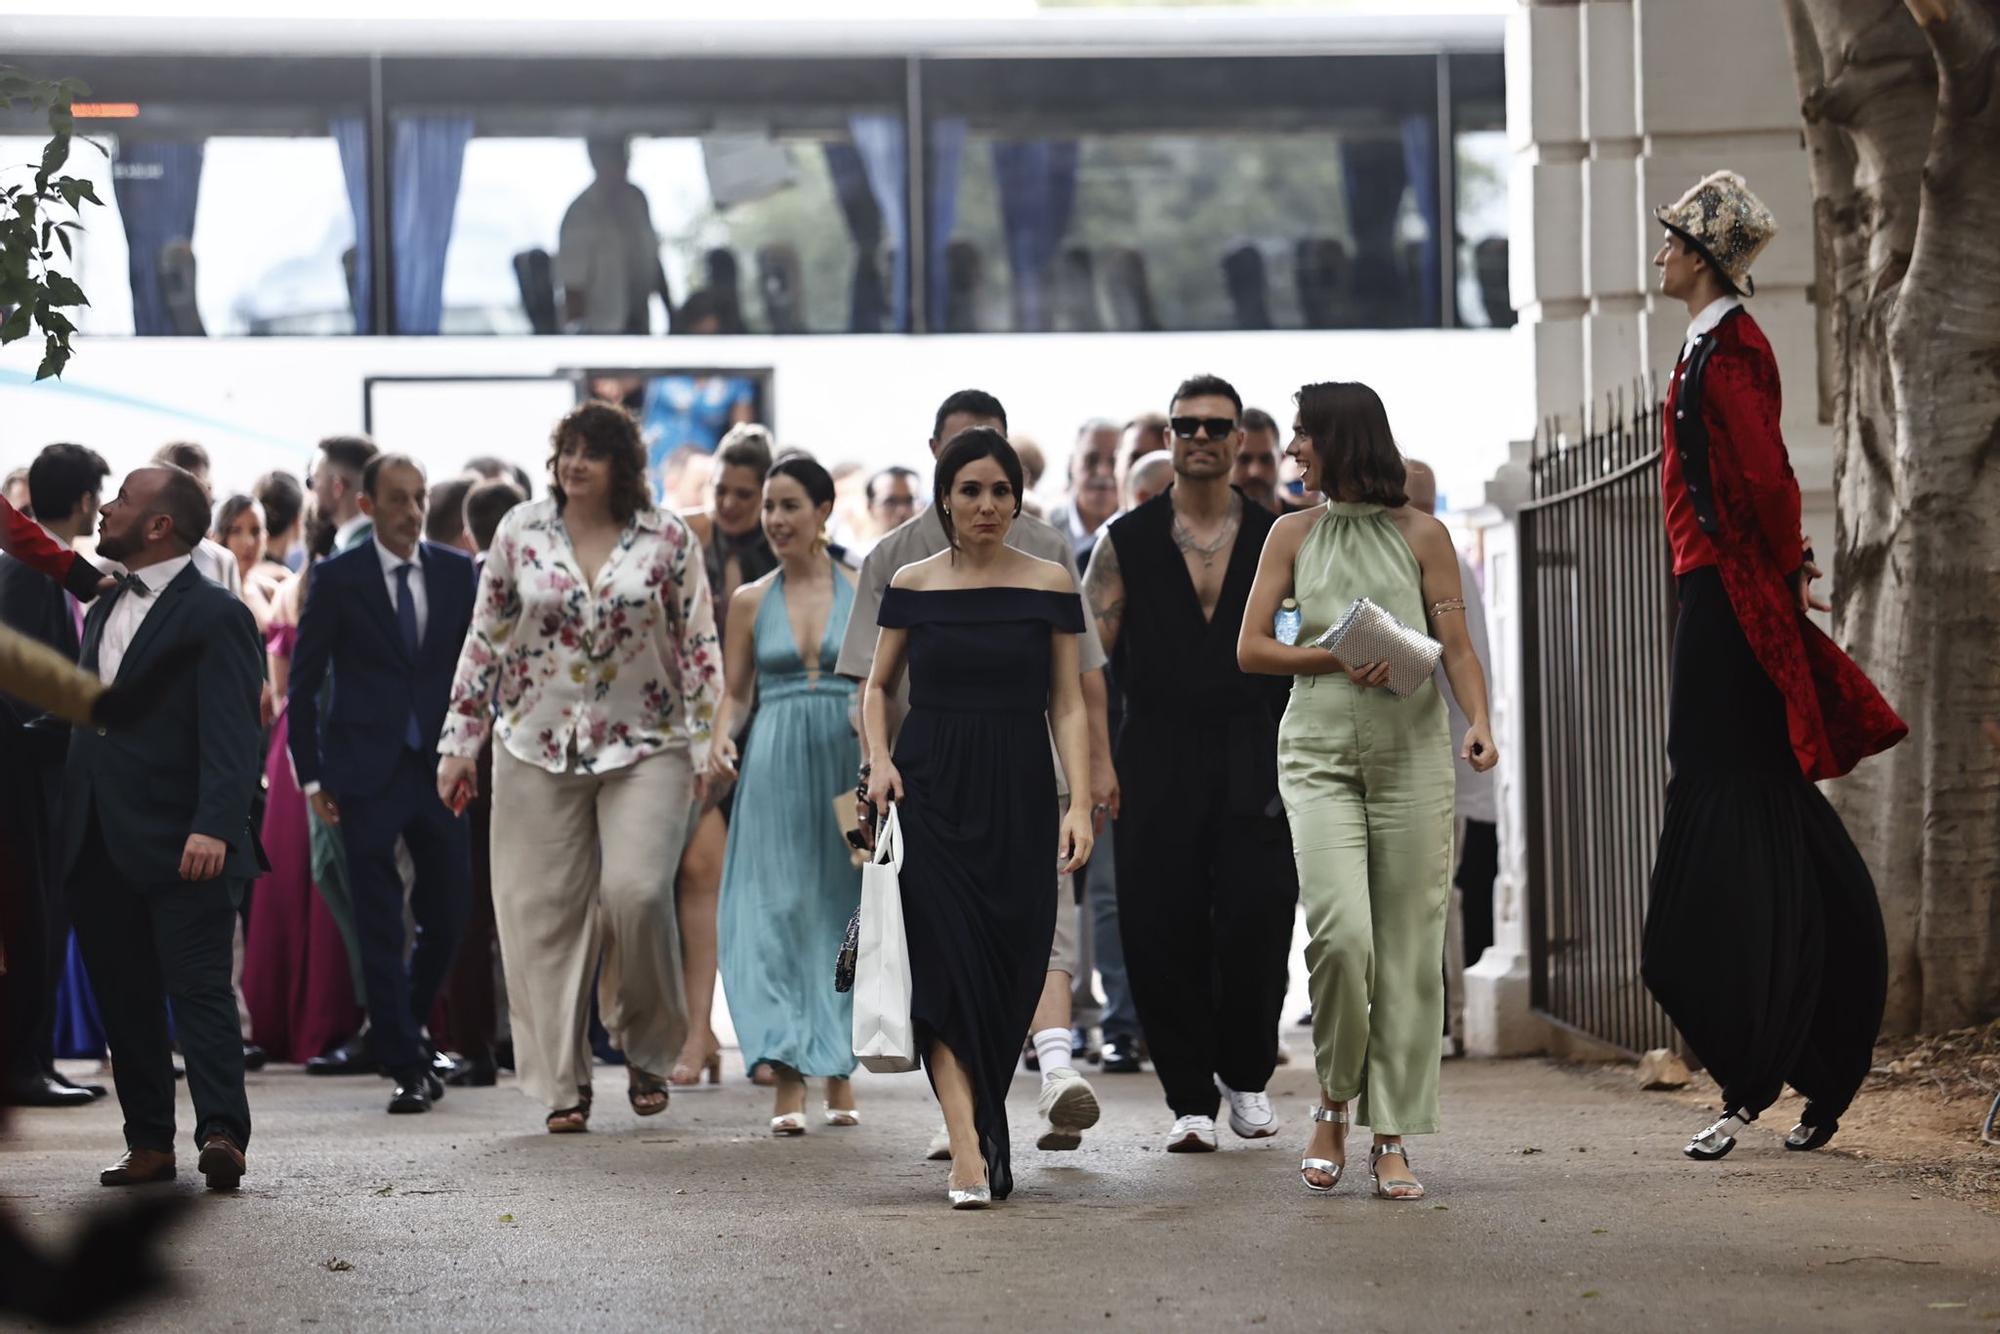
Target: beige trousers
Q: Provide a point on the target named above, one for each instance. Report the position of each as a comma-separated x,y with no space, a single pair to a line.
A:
583,864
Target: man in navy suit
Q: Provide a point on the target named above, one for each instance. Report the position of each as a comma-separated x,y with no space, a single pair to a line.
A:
64,482
387,618
156,843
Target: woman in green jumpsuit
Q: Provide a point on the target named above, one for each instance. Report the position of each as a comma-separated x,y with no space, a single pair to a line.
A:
1366,777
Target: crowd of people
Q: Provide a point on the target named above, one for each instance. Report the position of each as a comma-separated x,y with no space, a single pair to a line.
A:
521,776
452,743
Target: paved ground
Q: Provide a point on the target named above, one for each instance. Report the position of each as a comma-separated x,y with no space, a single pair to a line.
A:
1558,1200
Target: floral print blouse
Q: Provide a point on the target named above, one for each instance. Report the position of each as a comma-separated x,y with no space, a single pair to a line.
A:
609,674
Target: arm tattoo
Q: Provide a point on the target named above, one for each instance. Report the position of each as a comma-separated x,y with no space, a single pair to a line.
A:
1104,585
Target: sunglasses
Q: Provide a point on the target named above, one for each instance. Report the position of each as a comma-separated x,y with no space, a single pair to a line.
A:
1218,428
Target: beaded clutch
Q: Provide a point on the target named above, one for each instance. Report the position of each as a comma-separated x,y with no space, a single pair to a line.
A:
844,960
1369,634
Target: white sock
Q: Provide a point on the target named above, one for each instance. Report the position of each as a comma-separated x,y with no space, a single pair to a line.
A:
1052,1049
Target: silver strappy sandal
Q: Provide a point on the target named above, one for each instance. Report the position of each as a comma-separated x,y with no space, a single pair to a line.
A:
1394,1190
1339,1116
1714,1143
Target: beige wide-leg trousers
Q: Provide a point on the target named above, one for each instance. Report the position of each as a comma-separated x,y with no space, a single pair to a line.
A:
584,863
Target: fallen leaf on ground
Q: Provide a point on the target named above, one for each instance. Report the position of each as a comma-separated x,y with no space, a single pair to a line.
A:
506,1218
338,1266
387,1190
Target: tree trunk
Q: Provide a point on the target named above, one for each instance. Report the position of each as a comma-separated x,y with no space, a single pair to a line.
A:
1902,112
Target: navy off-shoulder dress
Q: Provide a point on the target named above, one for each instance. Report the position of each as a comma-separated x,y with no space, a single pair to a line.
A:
979,827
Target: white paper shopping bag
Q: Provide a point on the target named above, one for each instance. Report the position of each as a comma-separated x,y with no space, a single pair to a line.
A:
883,1037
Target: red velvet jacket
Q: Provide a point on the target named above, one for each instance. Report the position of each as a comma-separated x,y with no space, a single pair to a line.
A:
1749,529
23,539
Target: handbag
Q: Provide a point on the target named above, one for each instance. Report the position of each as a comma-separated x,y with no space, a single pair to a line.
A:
884,1037
1369,634
844,960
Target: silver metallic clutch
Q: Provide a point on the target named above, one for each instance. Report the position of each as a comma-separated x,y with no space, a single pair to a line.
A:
1369,634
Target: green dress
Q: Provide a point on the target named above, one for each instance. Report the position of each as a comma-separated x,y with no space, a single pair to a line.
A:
1366,778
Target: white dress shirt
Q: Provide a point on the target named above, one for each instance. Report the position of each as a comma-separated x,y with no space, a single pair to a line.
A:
391,562
343,536
1711,315
129,612
219,564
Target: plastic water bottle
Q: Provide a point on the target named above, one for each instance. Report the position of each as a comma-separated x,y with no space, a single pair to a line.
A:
1287,622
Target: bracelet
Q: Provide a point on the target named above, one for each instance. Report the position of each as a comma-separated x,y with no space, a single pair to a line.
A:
1449,604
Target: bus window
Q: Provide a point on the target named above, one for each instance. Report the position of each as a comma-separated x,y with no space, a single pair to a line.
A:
632,197
229,200
1481,162
1182,193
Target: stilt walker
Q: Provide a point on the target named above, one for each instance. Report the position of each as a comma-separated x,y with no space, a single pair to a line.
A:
1763,939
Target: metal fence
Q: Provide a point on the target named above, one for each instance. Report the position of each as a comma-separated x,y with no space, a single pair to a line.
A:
1597,618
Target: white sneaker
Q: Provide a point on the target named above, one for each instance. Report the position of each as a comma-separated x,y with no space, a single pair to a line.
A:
1250,1114
1068,1106
940,1149
1192,1134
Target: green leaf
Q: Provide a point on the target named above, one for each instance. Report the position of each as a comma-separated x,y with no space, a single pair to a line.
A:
54,321
72,88
53,157
54,358
16,325
63,291
62,239
89,191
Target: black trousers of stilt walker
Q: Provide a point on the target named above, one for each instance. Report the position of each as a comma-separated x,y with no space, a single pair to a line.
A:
1763,936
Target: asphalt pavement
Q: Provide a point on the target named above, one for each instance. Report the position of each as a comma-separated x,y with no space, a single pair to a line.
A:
1557,1200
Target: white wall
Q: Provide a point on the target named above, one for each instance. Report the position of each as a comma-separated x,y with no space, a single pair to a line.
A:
1455,398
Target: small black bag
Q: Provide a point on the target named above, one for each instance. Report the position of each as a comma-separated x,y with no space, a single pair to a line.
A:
843,963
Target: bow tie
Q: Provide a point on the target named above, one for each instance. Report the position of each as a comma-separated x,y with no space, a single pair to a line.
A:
133,584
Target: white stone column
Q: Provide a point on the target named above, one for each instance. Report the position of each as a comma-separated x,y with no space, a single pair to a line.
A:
1498,1020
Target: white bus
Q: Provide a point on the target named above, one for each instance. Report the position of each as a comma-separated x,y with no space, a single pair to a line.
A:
323,226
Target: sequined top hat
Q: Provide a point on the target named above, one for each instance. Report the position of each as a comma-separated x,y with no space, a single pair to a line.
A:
1726,223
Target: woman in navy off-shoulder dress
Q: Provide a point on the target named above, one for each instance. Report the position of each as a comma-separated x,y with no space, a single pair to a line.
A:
989,635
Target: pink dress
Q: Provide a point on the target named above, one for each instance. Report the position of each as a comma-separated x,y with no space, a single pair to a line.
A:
295,974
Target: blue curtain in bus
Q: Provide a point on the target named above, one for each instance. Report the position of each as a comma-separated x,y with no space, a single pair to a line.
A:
350,136
879,140
156,185
1420,164
867,302
946,138
1037,180
426,162
426,165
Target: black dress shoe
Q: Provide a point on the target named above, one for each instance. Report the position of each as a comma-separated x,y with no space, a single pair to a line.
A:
474,1072
42,1091
254,1057
350,1058
94,1090
413,1093
1121,1056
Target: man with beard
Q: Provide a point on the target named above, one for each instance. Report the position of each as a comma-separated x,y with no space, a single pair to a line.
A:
1207,888
156,839
1258,462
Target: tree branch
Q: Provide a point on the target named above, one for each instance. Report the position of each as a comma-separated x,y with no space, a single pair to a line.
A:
1965,37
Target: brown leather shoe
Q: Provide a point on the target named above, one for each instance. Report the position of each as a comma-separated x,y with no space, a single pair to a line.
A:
139,1167
221,1162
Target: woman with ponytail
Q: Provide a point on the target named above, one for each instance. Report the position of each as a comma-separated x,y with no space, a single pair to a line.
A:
788,886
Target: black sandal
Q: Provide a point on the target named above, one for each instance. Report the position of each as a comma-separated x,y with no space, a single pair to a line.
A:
571,1120
644,1084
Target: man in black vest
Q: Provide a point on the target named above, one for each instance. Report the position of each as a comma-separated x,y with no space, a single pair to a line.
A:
1207,889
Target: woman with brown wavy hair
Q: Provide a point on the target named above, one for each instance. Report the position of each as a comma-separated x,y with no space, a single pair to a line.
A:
1366,777
593,659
